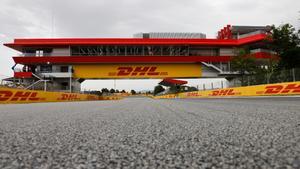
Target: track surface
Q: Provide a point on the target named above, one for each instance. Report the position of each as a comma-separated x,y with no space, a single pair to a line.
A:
147,133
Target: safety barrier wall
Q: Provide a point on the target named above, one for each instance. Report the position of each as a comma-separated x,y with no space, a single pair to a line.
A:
290,88
10,95
114,97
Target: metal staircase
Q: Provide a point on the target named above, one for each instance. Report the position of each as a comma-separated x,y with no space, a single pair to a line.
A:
39,81
212,66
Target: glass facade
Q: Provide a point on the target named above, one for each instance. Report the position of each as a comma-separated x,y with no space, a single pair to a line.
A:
147,50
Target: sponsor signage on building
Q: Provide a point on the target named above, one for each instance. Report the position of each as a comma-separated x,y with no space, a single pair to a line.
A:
136,71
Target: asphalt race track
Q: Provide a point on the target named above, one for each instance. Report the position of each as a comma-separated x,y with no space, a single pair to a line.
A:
148,133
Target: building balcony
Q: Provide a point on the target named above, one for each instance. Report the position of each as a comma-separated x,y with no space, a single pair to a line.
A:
43,54
241,36
56,75
117,59
262,50
23,75
263,53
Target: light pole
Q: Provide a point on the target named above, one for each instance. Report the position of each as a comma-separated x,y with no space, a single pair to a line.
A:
115,83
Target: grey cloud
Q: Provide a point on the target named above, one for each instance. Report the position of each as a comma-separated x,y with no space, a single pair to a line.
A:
122,18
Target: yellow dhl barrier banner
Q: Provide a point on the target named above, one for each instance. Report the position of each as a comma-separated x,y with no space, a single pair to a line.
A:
291,88
135,71
114,97
9,95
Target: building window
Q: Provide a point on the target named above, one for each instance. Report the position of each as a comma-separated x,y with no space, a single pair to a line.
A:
64,69
46,68
39,53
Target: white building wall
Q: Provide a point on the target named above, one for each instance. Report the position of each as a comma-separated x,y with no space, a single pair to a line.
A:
61,52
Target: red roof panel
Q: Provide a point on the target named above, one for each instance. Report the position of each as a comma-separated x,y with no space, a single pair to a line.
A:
20,43
170,82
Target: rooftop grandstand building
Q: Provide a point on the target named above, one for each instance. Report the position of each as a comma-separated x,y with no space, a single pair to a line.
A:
63,64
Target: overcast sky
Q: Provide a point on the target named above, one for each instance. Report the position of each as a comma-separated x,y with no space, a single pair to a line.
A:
122,18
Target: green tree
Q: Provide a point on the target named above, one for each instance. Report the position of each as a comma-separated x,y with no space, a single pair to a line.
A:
290,58
112,91
104,90
158,89
284,37
285,42
96,92
133,92
244,64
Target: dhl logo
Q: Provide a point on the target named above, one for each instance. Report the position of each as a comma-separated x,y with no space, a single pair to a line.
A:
172,96
195,94
69,97
92,98
137,71
19,96
281,89
226,92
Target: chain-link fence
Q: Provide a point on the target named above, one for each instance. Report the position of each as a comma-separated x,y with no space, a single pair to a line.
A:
290,75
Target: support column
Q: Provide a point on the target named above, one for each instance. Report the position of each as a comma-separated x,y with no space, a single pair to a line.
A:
45,85
70,83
